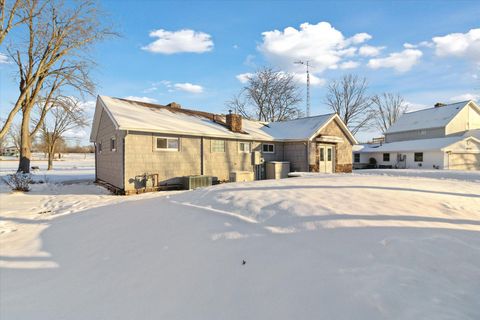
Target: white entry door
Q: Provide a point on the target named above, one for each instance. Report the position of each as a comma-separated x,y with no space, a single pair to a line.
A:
326,159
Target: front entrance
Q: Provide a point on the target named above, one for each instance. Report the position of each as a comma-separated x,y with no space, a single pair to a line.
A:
326,159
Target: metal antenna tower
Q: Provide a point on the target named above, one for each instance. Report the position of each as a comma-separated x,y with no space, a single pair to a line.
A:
307,64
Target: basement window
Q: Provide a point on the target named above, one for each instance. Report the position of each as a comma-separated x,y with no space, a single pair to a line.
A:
356,157
418,156
244,147
218,145
268,148
386,157
166,144
113,144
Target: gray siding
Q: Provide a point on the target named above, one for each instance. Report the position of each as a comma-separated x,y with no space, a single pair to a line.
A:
415,135
296,153
109,164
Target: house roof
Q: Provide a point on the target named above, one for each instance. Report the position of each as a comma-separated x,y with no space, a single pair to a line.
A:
140,116
436,117
439,144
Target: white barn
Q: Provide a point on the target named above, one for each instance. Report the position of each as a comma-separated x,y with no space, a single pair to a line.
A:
443,137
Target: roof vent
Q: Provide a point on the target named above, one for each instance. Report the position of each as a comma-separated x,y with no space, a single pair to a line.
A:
174,105
439,105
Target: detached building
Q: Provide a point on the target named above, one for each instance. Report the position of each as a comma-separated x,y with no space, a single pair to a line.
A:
140,143
443,137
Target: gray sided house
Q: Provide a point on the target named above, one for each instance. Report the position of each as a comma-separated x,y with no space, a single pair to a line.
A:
135,139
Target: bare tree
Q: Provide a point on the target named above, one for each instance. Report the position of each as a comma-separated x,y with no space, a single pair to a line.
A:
269,96
14,135
65,114
348,98
388,108
9,18
53,56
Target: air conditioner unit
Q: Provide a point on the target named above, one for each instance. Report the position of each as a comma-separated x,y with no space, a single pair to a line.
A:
194,182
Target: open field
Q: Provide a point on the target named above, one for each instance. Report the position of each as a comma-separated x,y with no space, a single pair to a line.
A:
390,244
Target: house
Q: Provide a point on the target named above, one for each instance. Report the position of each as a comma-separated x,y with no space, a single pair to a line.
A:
135,139
11,151
442,137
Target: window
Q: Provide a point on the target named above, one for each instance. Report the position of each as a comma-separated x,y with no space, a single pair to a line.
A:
418,156
356,157
244,147
113,144
99,147
167,144
386,157
322,154
268,148
329,154
218,145
423,132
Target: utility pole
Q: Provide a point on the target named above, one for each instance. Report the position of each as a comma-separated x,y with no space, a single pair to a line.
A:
307,64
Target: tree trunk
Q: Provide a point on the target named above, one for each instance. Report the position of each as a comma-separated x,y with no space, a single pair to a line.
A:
25,150
50,161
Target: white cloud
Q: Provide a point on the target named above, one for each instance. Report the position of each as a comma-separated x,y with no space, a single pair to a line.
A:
243,77
412,106
314,80
185,40
466,96
349,65
4,58
370,51
400,61
320,43
188,87
459,45
141,99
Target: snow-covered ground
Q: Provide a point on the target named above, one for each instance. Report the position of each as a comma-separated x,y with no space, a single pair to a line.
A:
370,245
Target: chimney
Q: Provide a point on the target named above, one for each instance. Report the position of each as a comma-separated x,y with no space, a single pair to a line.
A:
234,121
439,105
174,105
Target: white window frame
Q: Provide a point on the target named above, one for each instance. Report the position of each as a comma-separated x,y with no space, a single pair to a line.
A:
167,148
114,139
245,144
268,144
212,143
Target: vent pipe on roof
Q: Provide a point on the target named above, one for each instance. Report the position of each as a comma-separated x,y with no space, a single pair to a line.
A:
439,105
174,105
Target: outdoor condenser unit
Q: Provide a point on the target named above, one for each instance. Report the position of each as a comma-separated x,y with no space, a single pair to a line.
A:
194,182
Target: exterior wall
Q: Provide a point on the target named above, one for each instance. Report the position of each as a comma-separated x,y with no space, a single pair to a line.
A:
109,164
467,119
415,135
343,150
141,158
296,154
430,159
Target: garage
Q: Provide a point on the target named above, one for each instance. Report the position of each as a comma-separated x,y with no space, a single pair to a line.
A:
464,161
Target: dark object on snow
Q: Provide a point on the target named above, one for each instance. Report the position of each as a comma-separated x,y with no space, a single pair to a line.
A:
35,168
244,262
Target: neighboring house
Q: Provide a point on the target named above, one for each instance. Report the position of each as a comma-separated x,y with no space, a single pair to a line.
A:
443,137
133,139
11,151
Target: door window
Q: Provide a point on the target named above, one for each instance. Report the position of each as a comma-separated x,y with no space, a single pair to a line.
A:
329,154
322,156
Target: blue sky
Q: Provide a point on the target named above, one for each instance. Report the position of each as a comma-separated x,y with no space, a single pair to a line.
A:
195,52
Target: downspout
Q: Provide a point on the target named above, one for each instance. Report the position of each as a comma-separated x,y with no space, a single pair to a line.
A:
96,161
202,170
308,155
123,158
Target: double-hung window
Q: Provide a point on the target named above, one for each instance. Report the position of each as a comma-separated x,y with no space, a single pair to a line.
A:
418,156
244,147
386,157
167,144
268,148
113,144
356,157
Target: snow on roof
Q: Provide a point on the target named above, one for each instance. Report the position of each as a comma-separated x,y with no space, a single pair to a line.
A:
297,129
133,115
427,118
413,145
